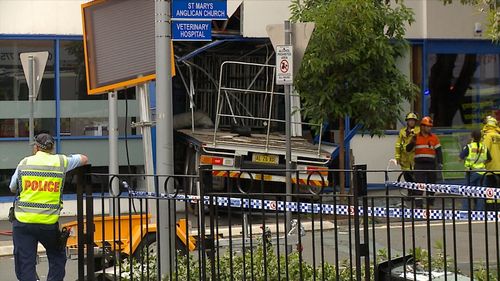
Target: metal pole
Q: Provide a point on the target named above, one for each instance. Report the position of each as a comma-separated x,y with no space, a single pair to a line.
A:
113,145
31,95
164,133
145,115
288,130
357,238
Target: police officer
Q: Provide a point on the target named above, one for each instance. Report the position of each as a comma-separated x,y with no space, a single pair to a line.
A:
38,182
428,156
476,155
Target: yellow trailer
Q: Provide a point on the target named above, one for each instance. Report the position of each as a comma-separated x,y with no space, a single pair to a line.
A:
124,236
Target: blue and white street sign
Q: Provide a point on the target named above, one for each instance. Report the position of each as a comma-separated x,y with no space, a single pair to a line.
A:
192,31
199,9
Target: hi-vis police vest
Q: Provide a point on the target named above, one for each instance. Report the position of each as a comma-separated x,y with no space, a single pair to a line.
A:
41,178
477,156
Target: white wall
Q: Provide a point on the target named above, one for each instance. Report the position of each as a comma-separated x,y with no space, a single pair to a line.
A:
376,153
41,17
404,64
434,20
417,29
257,14
452,21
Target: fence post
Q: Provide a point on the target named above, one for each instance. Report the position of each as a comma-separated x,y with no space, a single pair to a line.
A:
205,184
89,214
81,183
360,191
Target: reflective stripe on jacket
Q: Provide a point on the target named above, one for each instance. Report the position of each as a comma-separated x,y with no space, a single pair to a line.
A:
425,146
477,156
41,179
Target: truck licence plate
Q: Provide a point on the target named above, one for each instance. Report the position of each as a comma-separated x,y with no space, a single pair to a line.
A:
265,158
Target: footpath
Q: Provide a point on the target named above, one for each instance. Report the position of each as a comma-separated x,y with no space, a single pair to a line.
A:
6,246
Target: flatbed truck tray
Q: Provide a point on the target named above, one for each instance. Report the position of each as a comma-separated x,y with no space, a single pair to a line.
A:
301,148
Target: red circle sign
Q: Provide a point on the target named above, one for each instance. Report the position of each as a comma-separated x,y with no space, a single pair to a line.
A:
490,192
272,205
284,66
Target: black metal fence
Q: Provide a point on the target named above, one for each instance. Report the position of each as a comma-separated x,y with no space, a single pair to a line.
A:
238,231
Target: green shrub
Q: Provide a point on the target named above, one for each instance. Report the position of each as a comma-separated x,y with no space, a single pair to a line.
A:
261,263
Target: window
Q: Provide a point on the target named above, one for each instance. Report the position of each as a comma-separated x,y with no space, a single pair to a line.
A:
81,114
463,88
14,104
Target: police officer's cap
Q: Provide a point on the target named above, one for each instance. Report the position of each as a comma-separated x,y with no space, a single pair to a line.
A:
44,141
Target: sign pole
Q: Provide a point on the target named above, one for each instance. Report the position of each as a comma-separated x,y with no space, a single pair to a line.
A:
113,168
164,136
33,67
288,129
31,95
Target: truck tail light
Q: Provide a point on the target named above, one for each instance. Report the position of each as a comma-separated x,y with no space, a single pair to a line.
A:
210,160
317,170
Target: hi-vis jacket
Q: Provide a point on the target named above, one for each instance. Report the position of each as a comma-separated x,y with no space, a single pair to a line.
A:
41,179
427,148
491,140
404,157
477,157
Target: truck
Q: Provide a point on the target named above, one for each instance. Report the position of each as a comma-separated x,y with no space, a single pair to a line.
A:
248,135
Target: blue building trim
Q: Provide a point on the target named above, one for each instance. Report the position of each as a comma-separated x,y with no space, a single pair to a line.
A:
24,139
442,46
39,37
423,84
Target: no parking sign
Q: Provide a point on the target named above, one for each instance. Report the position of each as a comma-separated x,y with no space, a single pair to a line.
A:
284,65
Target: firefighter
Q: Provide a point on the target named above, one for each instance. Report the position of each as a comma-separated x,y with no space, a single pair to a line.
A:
491,136
38,182
476,155
404,158
428,157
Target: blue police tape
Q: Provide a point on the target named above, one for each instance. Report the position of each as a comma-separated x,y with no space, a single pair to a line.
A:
328,209
464,190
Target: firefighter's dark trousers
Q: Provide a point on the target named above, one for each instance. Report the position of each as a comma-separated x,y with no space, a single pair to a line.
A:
424,176
26,237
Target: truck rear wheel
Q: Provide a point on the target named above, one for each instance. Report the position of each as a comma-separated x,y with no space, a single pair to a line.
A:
147,247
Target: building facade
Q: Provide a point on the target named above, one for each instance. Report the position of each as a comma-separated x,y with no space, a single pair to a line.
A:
455,66
458,71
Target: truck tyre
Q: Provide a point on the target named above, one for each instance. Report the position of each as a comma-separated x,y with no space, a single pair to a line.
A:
148,243
106,260
146,247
